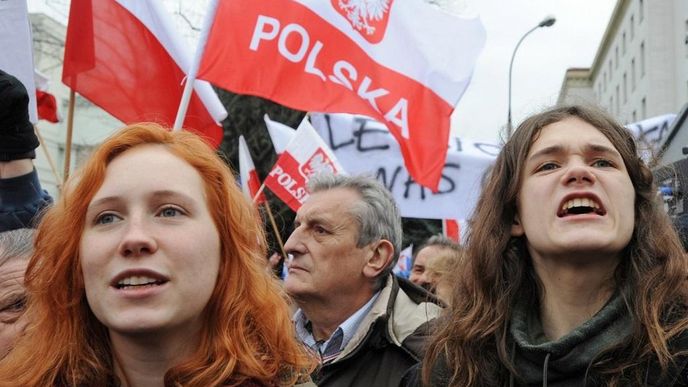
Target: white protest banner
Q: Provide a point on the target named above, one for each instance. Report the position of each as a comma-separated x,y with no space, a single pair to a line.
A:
651,134
363,145
306,155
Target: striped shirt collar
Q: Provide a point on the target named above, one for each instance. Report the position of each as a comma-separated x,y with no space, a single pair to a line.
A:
348,327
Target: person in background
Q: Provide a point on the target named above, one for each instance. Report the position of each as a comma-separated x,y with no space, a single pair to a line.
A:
440,272
366,325
573,275
16,246
435,245
152,273
21,195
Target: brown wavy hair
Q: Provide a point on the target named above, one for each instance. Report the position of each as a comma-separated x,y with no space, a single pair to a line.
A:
472,342
247,334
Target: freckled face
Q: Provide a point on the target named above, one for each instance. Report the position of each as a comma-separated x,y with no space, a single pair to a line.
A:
150,251
576,196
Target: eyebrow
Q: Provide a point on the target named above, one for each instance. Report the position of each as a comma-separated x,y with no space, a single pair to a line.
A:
162,194
589,148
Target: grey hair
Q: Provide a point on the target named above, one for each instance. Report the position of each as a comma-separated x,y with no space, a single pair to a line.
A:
440,241
377,215
16,244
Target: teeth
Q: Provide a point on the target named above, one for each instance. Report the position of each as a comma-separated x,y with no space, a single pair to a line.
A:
136,280
579,202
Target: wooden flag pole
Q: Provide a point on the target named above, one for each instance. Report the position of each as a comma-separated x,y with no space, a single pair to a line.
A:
68,140
274,227
47,155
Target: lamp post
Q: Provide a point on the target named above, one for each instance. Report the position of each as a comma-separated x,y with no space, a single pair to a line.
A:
546,22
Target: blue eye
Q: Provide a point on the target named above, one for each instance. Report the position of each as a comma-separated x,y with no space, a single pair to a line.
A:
106,218
169,212
602,163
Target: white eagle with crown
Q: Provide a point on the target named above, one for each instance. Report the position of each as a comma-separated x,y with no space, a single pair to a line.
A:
360,12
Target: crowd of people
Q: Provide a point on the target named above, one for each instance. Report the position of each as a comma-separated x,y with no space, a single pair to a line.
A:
150,269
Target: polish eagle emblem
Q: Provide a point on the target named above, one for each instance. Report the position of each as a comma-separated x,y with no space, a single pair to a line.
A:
368,17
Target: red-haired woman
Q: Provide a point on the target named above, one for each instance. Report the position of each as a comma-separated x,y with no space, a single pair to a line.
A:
148,272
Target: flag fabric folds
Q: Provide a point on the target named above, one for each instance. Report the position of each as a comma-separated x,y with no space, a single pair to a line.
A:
305,156
45,101
406,65
250,183
17,51
125,56
280,134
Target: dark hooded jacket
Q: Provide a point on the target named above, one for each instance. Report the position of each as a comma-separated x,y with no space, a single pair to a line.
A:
566,361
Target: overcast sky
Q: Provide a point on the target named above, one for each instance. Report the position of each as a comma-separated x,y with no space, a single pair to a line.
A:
539,66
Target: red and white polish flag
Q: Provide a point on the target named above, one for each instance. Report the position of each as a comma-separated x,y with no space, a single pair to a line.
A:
250,183
46,102
306,155
280,134
126,57
405,63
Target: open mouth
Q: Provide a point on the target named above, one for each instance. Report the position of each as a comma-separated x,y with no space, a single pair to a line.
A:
580,206
138,282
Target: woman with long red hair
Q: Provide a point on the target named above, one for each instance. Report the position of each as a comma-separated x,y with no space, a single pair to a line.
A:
150,271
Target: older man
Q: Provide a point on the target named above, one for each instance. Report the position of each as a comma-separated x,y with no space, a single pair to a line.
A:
435,246
16,247
366,325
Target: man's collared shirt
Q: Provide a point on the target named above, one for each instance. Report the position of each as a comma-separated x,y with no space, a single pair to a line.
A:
339,338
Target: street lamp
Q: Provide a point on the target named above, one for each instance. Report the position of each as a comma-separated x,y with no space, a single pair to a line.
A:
546,22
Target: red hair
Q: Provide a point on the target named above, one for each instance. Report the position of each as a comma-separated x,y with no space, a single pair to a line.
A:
247,333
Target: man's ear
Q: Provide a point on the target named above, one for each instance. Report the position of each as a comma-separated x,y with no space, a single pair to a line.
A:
377,262
516,228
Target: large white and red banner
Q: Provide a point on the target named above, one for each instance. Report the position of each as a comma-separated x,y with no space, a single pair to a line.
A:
16,52
306,155
126,57
250,183
404,62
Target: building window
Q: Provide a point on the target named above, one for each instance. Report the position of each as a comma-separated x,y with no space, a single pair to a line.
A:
633,74
642,59
610,70
643,109
625,89
623,43
685,41
616,56
618,103
635,116
604,76
641,11
632,27
611,104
